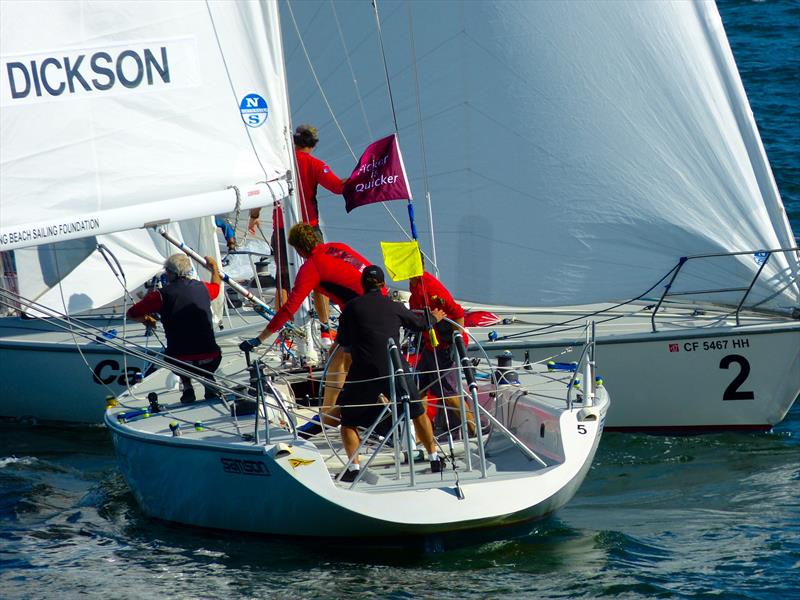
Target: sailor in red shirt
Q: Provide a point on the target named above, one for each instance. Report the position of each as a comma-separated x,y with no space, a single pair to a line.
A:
437,368
333,270
185,308
311,173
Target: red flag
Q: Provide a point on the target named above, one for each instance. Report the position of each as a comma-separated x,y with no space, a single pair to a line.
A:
379,175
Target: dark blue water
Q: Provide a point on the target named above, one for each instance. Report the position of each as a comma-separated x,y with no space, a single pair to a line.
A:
709,516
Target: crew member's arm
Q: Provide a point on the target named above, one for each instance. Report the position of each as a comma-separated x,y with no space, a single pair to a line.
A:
227,232
141,311
214,286
453,310
415,321
328,179
307,280
255,221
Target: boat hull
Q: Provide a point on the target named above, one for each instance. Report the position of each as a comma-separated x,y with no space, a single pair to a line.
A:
255,488
47,374
690,380
55,382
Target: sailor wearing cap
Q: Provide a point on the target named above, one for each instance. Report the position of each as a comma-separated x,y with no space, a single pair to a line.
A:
365,326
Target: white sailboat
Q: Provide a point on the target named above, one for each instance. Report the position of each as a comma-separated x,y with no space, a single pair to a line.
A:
538,435
106,135
254,474
603,152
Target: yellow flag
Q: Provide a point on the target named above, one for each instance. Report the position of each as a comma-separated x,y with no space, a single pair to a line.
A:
402,259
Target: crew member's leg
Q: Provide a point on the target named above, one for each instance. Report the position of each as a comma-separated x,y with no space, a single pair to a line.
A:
207,369
278,243
323,307
351,441
422,426
200,368
453,404
334,382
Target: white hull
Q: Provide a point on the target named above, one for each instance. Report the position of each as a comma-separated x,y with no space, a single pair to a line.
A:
688,376
213,478
48,374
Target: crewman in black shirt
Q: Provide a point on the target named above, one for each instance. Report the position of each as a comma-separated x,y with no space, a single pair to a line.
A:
365,326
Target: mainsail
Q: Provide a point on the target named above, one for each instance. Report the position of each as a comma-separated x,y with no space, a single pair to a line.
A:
575,150
119,114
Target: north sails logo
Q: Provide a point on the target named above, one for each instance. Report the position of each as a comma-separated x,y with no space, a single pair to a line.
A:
254,110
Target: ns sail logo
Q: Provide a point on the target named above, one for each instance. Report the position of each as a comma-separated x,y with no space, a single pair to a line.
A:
254,110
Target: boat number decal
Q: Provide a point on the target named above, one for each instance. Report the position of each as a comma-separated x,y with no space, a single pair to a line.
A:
254,110
709,345
240,466
299,462
582,429
732,392
109,370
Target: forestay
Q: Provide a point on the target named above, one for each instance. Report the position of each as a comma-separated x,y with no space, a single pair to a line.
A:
117,114
575,150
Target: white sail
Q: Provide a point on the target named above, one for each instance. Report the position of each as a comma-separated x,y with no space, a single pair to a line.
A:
117,114
575,150
74,276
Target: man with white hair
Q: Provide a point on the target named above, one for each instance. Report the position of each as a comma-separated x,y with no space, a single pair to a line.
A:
185,308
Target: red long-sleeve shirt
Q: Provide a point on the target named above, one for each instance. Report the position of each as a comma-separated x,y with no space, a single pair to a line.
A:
311,172
333,269
429,292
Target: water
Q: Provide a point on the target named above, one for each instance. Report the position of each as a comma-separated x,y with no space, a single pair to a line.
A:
715,516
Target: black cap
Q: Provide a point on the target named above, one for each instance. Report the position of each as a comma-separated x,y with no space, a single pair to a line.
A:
372,277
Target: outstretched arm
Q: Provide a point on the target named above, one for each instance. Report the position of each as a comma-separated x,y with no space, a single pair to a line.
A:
307,280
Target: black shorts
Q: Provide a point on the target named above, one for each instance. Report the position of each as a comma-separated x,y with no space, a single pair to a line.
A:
361,405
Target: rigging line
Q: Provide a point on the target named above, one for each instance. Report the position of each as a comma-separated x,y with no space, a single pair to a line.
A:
425,178
78,328
541,330
317,81
108,256
352,72
233,89
332,113
410,204
70,325
237,212
385,66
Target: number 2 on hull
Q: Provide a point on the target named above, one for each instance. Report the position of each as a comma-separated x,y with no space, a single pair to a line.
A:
732,392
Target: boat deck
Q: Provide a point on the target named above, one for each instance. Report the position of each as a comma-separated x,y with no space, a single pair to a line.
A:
566,323
209,423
